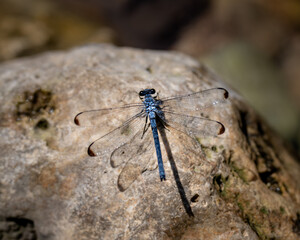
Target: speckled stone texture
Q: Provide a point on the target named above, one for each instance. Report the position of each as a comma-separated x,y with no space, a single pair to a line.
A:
243,184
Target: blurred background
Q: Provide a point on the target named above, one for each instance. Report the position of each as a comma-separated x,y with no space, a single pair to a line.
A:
253,45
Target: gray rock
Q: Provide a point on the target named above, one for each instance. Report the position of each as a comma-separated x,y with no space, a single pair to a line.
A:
243,184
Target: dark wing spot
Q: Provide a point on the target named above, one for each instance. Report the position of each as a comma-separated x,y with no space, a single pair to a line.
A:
222,129
76,121
90,151
226,94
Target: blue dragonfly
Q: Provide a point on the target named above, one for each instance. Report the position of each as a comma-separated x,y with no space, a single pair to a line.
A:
130,142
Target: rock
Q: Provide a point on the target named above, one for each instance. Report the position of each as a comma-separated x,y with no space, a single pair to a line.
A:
243,184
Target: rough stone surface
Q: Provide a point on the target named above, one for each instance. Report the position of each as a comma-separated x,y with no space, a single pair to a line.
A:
244,184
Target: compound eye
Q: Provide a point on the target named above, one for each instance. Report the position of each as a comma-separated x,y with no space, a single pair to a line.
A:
152,91
142,93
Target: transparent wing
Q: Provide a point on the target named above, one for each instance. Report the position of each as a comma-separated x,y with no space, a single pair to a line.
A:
112,117
193,103
106,144
136,156
126,146
191,125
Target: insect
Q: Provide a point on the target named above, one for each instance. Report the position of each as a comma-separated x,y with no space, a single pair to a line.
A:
131,143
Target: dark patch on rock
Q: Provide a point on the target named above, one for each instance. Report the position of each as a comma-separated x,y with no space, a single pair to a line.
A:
243,124
219,182
270,181
17,228
34,103
195,198
42,124
296,227
265,156
148,69
214,148
267,176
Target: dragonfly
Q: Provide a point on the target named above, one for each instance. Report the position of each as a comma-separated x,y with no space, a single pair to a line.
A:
130,142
